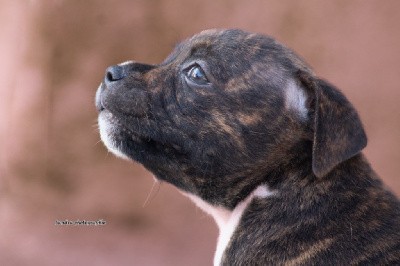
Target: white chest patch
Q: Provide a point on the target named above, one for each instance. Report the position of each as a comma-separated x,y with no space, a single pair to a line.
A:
227,220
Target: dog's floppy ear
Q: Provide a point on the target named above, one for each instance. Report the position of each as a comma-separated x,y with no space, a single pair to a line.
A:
338,131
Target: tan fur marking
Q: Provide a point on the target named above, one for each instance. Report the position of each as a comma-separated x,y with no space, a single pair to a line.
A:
239,83
246,80
210,32
219,121
249,120
310,252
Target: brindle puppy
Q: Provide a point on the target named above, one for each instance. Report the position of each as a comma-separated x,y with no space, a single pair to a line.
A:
242,126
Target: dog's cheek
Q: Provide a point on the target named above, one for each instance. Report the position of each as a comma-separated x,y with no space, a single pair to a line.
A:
194,101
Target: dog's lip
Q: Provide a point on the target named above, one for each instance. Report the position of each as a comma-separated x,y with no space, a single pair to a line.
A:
150,139
112,121
100,107
98,100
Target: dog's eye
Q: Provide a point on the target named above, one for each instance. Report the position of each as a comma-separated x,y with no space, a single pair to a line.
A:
196,74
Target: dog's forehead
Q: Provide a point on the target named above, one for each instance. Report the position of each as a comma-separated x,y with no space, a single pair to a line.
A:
215,36
218,42
233,45
226,41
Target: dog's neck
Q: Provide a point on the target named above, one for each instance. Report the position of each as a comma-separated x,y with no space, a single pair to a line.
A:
228,220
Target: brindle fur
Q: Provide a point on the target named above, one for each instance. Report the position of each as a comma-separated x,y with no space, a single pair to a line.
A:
221,141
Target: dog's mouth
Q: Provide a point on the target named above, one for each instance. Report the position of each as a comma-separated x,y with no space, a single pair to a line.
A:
139,139
135,137
98,100
100,106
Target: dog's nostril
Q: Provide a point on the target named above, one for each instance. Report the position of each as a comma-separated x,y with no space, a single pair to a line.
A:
114,73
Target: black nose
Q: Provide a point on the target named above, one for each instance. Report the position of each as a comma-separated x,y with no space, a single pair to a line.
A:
114,73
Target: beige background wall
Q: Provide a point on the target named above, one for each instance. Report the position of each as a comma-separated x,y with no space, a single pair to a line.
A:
53,55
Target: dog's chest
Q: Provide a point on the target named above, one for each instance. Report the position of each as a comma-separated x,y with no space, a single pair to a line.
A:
228,220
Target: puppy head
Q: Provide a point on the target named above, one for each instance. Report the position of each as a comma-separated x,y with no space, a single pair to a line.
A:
225,109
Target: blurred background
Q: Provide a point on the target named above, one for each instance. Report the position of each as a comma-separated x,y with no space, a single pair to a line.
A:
53,55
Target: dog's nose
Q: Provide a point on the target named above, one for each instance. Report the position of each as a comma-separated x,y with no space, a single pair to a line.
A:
114,73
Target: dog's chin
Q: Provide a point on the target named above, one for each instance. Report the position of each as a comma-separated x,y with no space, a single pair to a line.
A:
108,130
130,145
